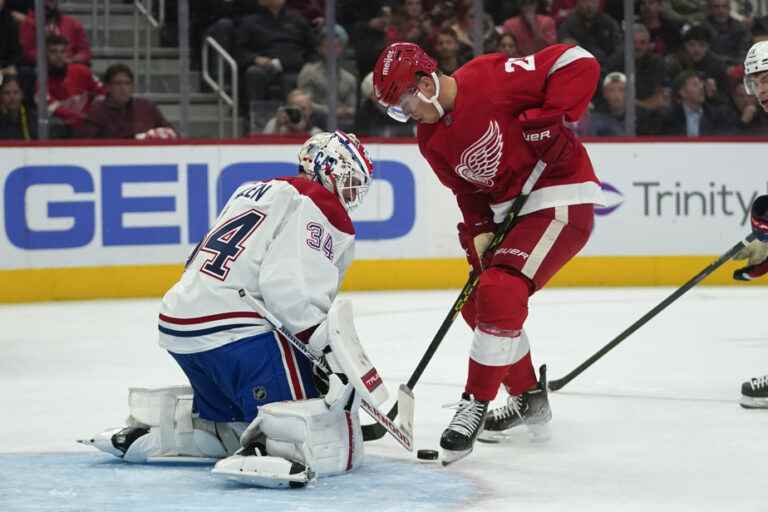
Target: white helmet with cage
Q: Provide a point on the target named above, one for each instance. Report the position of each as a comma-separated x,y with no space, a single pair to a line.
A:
340,163
755,62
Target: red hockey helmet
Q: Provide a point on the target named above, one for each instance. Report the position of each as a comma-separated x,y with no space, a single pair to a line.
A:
395,71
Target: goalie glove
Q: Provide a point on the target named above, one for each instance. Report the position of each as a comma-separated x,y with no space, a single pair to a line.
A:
475,239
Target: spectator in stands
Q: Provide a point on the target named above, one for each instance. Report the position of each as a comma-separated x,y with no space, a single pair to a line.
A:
17,121
730,37
649,70
462,26
272,46
752,120
119,115
311,10
532,31
592,29
508,45
369,33
689,11
10,49
20,8
295,117
561,9
696,56
447,51
692,115
78,50
71,86
410,23
608,117
664,29
313,80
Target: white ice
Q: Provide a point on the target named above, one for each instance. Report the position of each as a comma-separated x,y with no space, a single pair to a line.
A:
655,424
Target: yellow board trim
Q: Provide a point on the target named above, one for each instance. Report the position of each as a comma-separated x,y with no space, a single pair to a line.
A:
80,283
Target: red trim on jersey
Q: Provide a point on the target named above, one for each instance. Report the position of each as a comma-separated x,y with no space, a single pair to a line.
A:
209,318
348,415
292,367
328,203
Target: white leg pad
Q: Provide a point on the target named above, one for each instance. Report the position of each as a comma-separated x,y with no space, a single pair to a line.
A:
174,432
263,471
326,438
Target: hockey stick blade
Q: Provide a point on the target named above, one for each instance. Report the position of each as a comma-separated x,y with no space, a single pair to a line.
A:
402,435
376,431
557,384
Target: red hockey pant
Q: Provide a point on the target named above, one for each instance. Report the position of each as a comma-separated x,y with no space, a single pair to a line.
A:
533,251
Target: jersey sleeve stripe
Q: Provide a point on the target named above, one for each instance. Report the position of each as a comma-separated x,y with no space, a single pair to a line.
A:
568,56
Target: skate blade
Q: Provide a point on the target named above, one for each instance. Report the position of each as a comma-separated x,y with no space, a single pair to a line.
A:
448,457
536,433
749,402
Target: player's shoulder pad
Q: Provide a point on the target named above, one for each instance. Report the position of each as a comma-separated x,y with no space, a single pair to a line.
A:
327,202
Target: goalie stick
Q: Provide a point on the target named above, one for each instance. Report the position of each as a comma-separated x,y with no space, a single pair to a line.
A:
402,433
376,431
556,384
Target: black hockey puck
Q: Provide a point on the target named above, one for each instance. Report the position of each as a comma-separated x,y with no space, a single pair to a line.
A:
427,454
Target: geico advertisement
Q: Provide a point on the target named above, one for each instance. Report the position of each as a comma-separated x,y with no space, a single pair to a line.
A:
675,198
132,205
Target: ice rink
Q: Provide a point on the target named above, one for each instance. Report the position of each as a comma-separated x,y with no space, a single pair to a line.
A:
654,425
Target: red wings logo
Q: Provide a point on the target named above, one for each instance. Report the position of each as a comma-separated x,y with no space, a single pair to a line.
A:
480,161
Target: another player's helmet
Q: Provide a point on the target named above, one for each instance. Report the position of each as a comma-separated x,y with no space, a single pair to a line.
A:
755,62
395,75
340,163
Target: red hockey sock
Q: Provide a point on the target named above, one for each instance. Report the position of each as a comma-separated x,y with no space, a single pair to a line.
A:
483,381
520,376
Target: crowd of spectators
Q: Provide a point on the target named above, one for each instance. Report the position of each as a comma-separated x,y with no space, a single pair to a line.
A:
687,57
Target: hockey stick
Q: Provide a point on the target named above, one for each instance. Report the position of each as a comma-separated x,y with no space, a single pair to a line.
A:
375,431
403,433
556,384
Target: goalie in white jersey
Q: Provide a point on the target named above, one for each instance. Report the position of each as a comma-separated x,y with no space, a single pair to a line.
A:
288,243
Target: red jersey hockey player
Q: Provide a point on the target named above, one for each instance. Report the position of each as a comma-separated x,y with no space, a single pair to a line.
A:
482,130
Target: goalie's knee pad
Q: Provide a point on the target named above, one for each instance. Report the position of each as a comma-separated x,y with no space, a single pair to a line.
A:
161,426
322,434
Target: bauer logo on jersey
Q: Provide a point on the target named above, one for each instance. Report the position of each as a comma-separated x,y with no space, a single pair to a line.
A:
371,380
479,163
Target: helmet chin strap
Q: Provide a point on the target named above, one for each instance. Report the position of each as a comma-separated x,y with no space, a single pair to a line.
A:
433,98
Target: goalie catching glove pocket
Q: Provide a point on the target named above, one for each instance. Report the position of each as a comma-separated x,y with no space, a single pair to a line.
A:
549,139
756,252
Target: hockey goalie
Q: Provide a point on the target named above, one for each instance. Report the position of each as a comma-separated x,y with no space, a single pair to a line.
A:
255,403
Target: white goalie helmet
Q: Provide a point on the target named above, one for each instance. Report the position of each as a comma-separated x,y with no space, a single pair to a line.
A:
755,62
340,163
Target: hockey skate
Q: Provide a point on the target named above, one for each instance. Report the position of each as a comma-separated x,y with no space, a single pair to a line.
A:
530,408
115,441
754,393
458,439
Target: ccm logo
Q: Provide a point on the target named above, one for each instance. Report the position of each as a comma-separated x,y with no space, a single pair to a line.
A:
536,137
371,379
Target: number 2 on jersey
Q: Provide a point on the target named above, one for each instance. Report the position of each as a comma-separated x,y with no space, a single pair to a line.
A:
226,243
524,63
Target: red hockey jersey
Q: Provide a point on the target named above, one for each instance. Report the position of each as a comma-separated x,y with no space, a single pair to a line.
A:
477,149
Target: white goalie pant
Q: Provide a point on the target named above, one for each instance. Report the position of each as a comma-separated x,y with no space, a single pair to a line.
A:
321,434
174,431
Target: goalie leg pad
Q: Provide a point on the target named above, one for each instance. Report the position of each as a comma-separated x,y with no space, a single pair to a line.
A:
264,471
350,355
162,427
322,435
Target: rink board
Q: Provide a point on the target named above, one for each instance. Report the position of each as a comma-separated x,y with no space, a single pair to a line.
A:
117,221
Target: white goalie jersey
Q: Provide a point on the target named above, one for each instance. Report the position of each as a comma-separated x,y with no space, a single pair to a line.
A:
287,241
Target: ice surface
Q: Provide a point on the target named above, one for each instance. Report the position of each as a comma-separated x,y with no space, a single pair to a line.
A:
653,425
